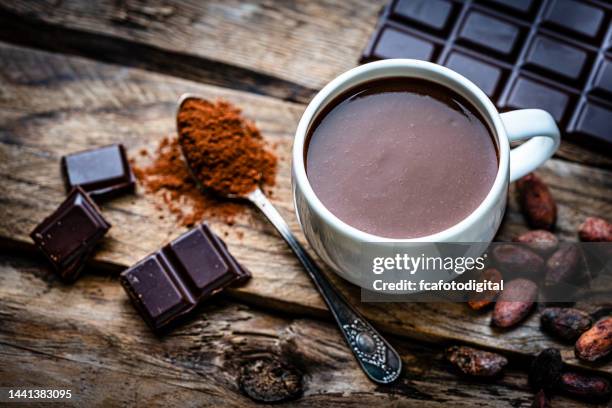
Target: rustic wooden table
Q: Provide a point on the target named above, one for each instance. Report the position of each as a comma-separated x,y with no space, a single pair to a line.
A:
77,74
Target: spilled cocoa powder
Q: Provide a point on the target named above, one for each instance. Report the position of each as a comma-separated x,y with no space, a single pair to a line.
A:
225,141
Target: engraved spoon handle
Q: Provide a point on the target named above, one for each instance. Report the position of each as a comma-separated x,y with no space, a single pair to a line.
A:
376,357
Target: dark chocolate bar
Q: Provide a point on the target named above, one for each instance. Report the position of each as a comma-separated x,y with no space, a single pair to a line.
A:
103,172
172,281
68,236
550,54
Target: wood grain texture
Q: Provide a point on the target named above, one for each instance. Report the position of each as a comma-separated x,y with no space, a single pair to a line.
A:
305,42
51,105
285,49
20,30
110,358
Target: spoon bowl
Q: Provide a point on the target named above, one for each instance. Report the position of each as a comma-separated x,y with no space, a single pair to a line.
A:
182,100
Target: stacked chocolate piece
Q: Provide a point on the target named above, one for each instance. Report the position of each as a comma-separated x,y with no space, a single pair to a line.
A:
68,236
550,54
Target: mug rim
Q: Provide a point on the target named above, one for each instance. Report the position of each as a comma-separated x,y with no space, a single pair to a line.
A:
460,85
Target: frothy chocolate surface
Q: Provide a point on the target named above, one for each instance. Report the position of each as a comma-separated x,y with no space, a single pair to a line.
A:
400,158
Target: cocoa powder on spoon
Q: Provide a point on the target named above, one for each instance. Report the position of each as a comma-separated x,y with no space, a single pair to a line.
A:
226,153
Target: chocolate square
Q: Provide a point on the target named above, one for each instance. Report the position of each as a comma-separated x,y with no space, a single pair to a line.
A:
201,264
523,6
103,172
153,291
485,75
68,236
491,33
242,274
602,84
393,43
575,16
526,93
594,122
552,56
430,13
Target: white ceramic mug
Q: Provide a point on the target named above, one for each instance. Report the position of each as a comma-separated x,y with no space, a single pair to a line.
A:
346,249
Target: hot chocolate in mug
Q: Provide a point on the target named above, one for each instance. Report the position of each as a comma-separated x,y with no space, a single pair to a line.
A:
347,249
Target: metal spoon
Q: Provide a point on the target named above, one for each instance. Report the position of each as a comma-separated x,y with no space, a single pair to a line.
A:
376,357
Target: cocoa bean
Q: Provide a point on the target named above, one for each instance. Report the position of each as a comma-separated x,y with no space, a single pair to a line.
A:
270,380
564,322
595,229
563,265
540,241
474,362
478,301
596,342
588,387
536,202
516,259
541,400
514,303
546,370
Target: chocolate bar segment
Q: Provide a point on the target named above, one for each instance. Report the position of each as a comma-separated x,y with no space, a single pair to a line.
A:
483,74
570,61
200,261
154,292
243,274
394,43
430,13
102,172
172,281
522,6
575,16
68,236
491,33
594,120
527,93
549,54
602,84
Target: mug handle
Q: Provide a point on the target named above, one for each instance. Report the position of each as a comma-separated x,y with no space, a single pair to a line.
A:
536,125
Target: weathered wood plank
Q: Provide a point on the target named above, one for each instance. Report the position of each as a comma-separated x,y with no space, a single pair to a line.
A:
51,105
49,336
283,49
20,30
305,42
